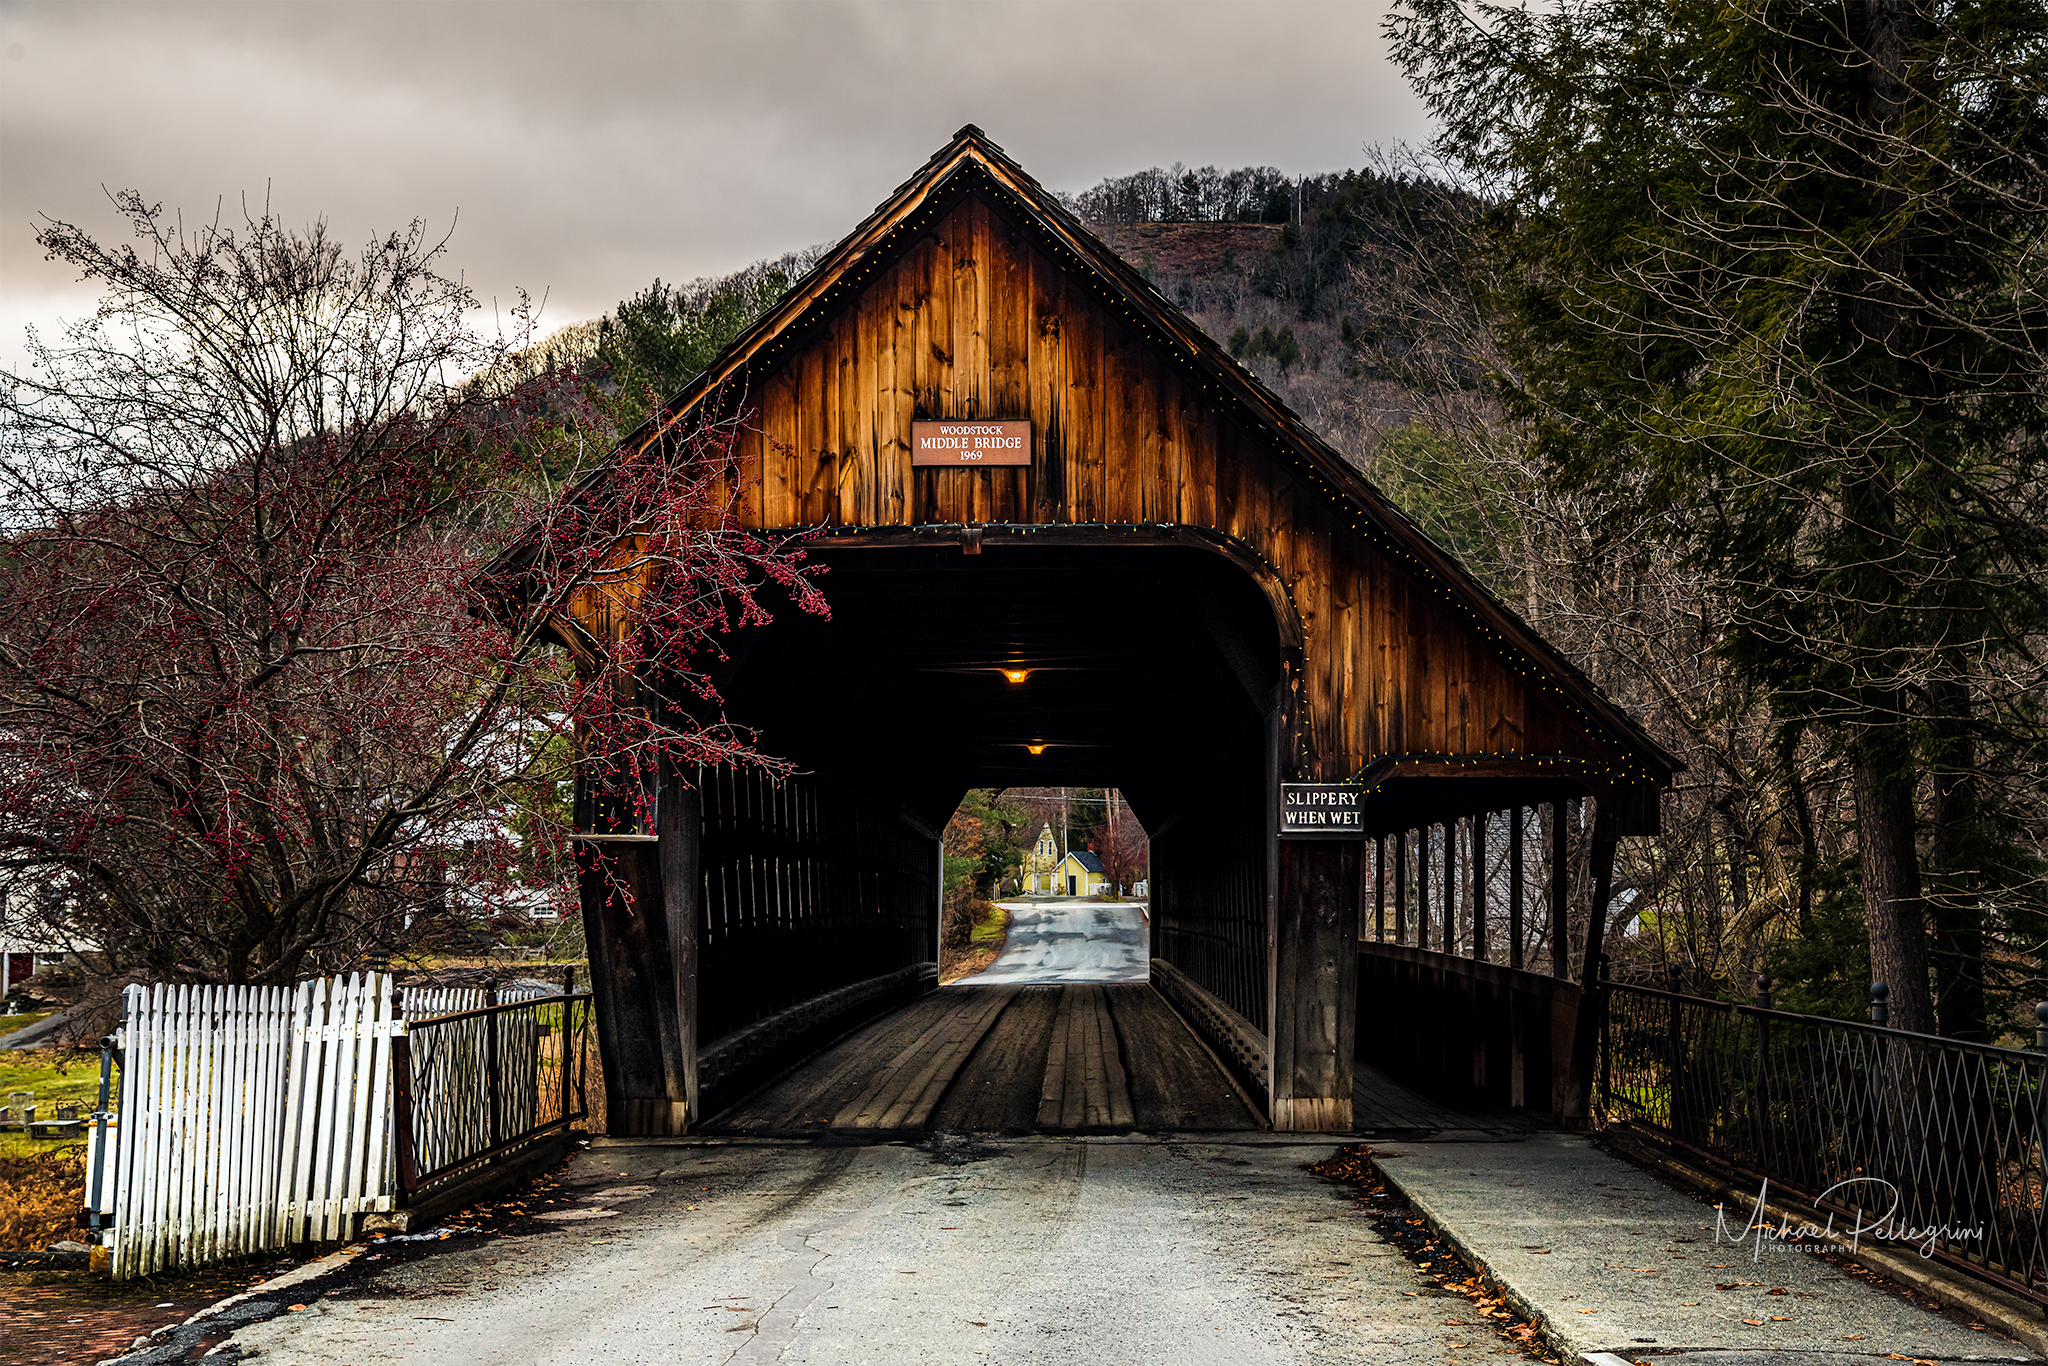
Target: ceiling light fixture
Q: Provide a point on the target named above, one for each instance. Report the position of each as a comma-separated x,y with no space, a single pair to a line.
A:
1016,675
1038,748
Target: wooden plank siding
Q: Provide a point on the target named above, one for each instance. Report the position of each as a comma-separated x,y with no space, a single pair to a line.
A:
976,320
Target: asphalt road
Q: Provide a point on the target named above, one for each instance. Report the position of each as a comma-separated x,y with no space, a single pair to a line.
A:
1072,941
1032,1250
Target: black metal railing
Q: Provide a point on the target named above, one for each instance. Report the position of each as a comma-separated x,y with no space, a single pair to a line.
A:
1929,1143
473,1085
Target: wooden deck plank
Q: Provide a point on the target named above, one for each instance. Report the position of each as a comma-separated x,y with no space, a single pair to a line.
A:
914,1104
998,1088
1378,1102
890,1077
993,1059
813,1093
1052,1092
1095,1060
1115,1074
1174,1082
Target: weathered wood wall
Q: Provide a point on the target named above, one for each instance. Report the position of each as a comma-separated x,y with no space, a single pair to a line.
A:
1209,885
807,887
981,318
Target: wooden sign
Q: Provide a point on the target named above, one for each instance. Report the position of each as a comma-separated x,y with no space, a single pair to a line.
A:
1322,811
970,443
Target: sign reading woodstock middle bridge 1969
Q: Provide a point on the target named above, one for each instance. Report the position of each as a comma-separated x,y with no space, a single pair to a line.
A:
970,443
1322,811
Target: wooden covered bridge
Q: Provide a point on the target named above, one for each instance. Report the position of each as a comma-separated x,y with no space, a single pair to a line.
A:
1172,587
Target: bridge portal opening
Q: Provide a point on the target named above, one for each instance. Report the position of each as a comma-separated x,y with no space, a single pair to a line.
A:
953,666
1152,668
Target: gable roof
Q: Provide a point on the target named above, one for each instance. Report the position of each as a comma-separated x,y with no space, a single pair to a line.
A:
973,163
1089,860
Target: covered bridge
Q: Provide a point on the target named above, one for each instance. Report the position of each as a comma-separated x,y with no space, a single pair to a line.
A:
1261,617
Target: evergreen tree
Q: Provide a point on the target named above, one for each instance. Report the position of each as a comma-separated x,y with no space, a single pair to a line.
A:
1770,277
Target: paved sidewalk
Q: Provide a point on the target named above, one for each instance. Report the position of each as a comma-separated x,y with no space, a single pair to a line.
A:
1614,1261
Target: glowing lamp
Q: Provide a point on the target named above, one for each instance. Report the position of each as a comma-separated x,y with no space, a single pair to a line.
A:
1016,675
1038,748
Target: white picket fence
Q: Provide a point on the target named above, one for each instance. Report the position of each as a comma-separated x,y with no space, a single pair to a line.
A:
251,1118
256,1117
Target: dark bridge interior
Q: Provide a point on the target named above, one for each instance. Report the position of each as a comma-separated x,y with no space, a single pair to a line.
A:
800,909
1144,668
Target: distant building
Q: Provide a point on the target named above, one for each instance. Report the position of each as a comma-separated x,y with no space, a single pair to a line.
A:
1080,874
1041,864
25,954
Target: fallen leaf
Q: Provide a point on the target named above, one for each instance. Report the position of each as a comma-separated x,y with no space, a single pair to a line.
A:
1779,1291
1754,1323
1585,1311
1781,1318
1689,1304
295,1308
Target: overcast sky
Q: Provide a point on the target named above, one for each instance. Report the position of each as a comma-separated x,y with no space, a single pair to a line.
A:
590,147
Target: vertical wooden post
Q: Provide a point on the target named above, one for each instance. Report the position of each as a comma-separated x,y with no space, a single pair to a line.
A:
1604,824
1479,884
1379,889
568,1011
401,1118
492,1100
1317,997
1560,889
682,902
1592,993
631,928
1400,844
1451,885
1516,816
1421,886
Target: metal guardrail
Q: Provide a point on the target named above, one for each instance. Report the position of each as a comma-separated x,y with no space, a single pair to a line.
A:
474,1084
1924,1142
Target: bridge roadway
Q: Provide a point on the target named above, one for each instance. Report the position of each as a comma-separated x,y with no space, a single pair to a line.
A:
1061,1033
821,1226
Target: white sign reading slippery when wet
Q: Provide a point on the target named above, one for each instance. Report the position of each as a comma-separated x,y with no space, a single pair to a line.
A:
1324,811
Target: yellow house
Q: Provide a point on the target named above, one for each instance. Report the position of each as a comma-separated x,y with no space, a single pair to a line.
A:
1080,874
1045,873
1041,863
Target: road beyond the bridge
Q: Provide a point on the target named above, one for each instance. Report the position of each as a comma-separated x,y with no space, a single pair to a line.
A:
1061,941
1053,1251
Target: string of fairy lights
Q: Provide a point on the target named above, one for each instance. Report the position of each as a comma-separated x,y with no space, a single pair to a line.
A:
972,163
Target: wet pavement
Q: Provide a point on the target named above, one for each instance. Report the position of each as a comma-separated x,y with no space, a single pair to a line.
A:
1063,942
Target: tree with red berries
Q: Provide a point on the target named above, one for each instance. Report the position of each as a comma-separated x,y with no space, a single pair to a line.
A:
269,701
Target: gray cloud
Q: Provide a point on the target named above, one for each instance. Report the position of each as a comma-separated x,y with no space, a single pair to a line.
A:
590,147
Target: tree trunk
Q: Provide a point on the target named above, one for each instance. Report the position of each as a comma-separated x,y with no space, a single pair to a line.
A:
1957,905
1890,864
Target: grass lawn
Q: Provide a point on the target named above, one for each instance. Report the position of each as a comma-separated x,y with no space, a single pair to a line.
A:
10,1023
992,928
984,946
56,1077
